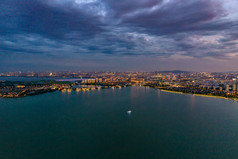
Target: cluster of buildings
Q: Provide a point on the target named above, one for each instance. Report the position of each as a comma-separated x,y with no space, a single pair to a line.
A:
215,84
191,82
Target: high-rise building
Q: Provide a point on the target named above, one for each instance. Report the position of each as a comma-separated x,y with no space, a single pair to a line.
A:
234,87
227,87
221,88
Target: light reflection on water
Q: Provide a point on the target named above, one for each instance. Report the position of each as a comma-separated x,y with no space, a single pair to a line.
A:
94,124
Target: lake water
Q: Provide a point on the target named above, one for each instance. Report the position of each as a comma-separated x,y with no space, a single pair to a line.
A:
37,79
95,125
24,78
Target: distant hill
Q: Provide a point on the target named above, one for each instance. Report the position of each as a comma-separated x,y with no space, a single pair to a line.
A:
173,71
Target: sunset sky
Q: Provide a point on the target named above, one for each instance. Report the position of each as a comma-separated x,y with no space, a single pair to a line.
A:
118,35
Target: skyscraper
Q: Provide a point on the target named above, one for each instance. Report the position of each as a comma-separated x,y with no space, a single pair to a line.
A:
234,87
227,87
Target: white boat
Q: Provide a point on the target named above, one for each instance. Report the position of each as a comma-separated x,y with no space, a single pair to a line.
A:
129,112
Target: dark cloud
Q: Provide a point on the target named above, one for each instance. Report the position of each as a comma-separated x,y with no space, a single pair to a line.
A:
178,16
78,28
11,50
26,16
123,7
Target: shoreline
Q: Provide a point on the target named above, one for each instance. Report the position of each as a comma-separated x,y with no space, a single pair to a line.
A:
170,91
211,96
55,90
161,89
201,95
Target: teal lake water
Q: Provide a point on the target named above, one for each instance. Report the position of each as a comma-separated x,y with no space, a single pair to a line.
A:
95,125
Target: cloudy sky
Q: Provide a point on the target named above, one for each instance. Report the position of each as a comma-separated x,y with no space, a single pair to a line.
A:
118,35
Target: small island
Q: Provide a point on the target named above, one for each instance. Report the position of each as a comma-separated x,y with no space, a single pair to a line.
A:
16,89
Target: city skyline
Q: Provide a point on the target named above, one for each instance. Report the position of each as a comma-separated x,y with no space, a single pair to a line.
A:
135,35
